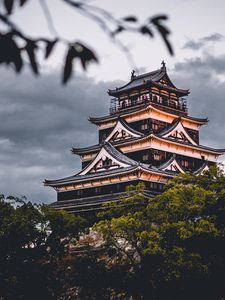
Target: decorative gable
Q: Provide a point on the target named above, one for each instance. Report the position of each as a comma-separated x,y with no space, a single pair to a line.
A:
122,132
179,133
202,169
173,166
121,135
102,162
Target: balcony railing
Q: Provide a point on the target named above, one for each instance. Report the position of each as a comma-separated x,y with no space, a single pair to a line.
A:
164,103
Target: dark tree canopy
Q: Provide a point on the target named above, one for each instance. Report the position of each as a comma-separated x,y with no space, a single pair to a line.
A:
174,244
16,46
168,247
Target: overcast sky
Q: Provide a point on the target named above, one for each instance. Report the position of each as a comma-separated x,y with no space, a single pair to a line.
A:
41,120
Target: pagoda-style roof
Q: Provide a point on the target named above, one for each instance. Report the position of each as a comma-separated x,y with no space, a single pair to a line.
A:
208,149
174,134
133,110
120,133
124,165
78,178
172,165
122,126
157,78
202,168
107,173
94,203
177,131
108,151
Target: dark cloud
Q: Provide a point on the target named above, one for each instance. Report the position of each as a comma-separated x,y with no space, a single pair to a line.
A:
205,66
200,43
40,122
207,99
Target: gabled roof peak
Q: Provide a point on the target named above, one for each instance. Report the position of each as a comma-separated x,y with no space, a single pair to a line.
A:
153,78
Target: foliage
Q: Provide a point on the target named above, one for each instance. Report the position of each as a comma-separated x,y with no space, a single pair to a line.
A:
33,239
14,43
168,247
175,246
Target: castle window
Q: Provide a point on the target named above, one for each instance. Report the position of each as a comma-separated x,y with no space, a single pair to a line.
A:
144,126
154,185
155,126
145,157
184,163
158,155
97,190
160,186
79,192
154,98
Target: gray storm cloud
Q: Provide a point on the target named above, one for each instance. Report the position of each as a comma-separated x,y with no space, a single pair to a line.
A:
40,122
200,43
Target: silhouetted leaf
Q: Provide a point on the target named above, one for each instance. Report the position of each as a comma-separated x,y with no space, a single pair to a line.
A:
8,5
146,30
118,30
68,68
49,47
31,48
22,2
87,56
77,51
164,32
158,18
130,19
168,44
10,52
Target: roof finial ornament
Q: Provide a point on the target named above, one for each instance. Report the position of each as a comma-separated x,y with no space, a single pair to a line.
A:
133,75
163,65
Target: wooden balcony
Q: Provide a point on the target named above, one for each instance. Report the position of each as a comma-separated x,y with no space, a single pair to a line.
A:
170,105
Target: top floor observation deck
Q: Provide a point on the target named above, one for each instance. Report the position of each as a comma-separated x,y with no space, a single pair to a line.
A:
170,104
154,88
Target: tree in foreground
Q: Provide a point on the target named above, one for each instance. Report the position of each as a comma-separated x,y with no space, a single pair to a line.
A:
168,247
173,245
33,243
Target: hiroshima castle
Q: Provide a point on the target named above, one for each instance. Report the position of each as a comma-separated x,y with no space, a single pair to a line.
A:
147,137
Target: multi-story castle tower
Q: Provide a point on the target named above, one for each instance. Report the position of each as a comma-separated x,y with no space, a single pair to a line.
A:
147,137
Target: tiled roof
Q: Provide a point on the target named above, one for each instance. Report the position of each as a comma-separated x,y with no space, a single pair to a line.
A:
78,177
201,168
126,125
166,163
170,128
121,170
98,146
151,77
88,203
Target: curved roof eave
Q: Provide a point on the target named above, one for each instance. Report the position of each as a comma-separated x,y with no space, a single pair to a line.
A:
110,173
213,150
110,92
99,120
95,147
151,77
